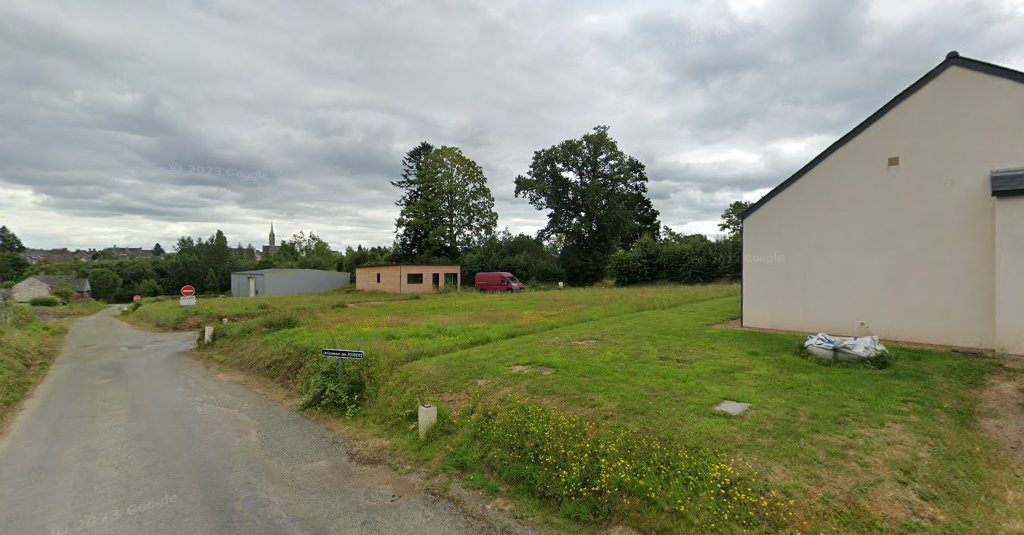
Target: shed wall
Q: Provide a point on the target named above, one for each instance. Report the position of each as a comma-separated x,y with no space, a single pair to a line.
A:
394,279
288,282
29,289
302,282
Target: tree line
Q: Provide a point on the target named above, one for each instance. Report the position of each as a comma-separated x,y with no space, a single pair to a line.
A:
600,223
600,219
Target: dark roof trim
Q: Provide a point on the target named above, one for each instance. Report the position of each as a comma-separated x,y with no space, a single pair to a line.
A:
410,265
952,59
1008,182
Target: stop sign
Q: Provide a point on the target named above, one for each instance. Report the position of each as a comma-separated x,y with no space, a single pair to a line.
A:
188,290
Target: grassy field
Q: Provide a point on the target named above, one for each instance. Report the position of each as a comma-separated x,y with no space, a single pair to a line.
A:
28,346
548,397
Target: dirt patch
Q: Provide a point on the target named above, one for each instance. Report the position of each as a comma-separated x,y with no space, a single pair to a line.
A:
547,371
189,324
519,368
456,401
584,342
483,382
1004,423
374,303
500,504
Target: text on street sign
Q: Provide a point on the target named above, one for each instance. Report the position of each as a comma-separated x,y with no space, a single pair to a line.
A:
341,354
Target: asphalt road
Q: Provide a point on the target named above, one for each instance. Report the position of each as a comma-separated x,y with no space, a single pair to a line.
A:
129,435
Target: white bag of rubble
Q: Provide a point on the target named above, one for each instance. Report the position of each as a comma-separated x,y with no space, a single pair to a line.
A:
844,348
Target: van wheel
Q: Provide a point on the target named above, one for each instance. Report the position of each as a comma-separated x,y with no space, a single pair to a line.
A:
510,290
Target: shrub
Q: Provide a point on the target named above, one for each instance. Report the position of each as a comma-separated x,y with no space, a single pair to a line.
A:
280,322
627,268
594,474
333,390
692,260
44,302
105,283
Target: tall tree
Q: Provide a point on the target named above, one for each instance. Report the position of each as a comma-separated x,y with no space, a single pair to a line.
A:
732,218
105,283
313,252
410,240
596,197
12,266
158,250
9,242
455,208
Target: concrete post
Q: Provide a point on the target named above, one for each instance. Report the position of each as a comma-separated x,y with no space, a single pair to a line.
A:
428,417
208,334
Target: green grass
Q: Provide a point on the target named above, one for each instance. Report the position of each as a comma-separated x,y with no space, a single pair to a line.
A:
28,346
856,449
166,313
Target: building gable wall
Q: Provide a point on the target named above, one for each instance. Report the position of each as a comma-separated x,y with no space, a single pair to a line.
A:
904,252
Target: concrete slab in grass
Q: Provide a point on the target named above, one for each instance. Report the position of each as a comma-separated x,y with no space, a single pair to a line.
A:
734,408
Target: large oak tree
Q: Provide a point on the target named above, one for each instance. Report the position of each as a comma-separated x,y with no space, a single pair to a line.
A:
597,201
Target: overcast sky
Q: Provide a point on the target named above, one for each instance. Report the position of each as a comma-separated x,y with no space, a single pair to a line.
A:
129,123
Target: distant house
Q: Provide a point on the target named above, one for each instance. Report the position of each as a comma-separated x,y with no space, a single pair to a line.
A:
909,227
47,286
128,252
269,282
53,256
409,278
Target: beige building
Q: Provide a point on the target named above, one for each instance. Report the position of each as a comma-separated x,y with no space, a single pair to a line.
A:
409,279
909,227
48,285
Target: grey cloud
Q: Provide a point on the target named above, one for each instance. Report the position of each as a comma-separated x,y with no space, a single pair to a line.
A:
322,100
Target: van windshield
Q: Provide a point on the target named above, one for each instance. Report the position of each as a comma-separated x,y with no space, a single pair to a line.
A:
513,279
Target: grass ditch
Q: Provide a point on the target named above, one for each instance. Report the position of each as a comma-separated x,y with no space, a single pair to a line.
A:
28,346
857,450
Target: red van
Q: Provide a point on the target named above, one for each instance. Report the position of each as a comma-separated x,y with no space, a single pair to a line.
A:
498,281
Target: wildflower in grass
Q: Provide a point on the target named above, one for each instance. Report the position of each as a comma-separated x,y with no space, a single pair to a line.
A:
565,459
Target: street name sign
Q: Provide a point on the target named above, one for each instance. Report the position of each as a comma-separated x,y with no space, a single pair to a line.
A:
342,354
187,301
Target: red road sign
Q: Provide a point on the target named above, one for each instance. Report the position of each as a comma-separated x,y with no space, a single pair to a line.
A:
188,290
137,298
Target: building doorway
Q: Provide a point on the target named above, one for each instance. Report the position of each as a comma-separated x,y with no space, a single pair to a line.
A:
436,280
451,280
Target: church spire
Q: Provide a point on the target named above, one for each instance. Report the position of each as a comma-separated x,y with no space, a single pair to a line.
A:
272,240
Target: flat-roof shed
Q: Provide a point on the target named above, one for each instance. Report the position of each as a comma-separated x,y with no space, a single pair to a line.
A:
268,282
409,278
